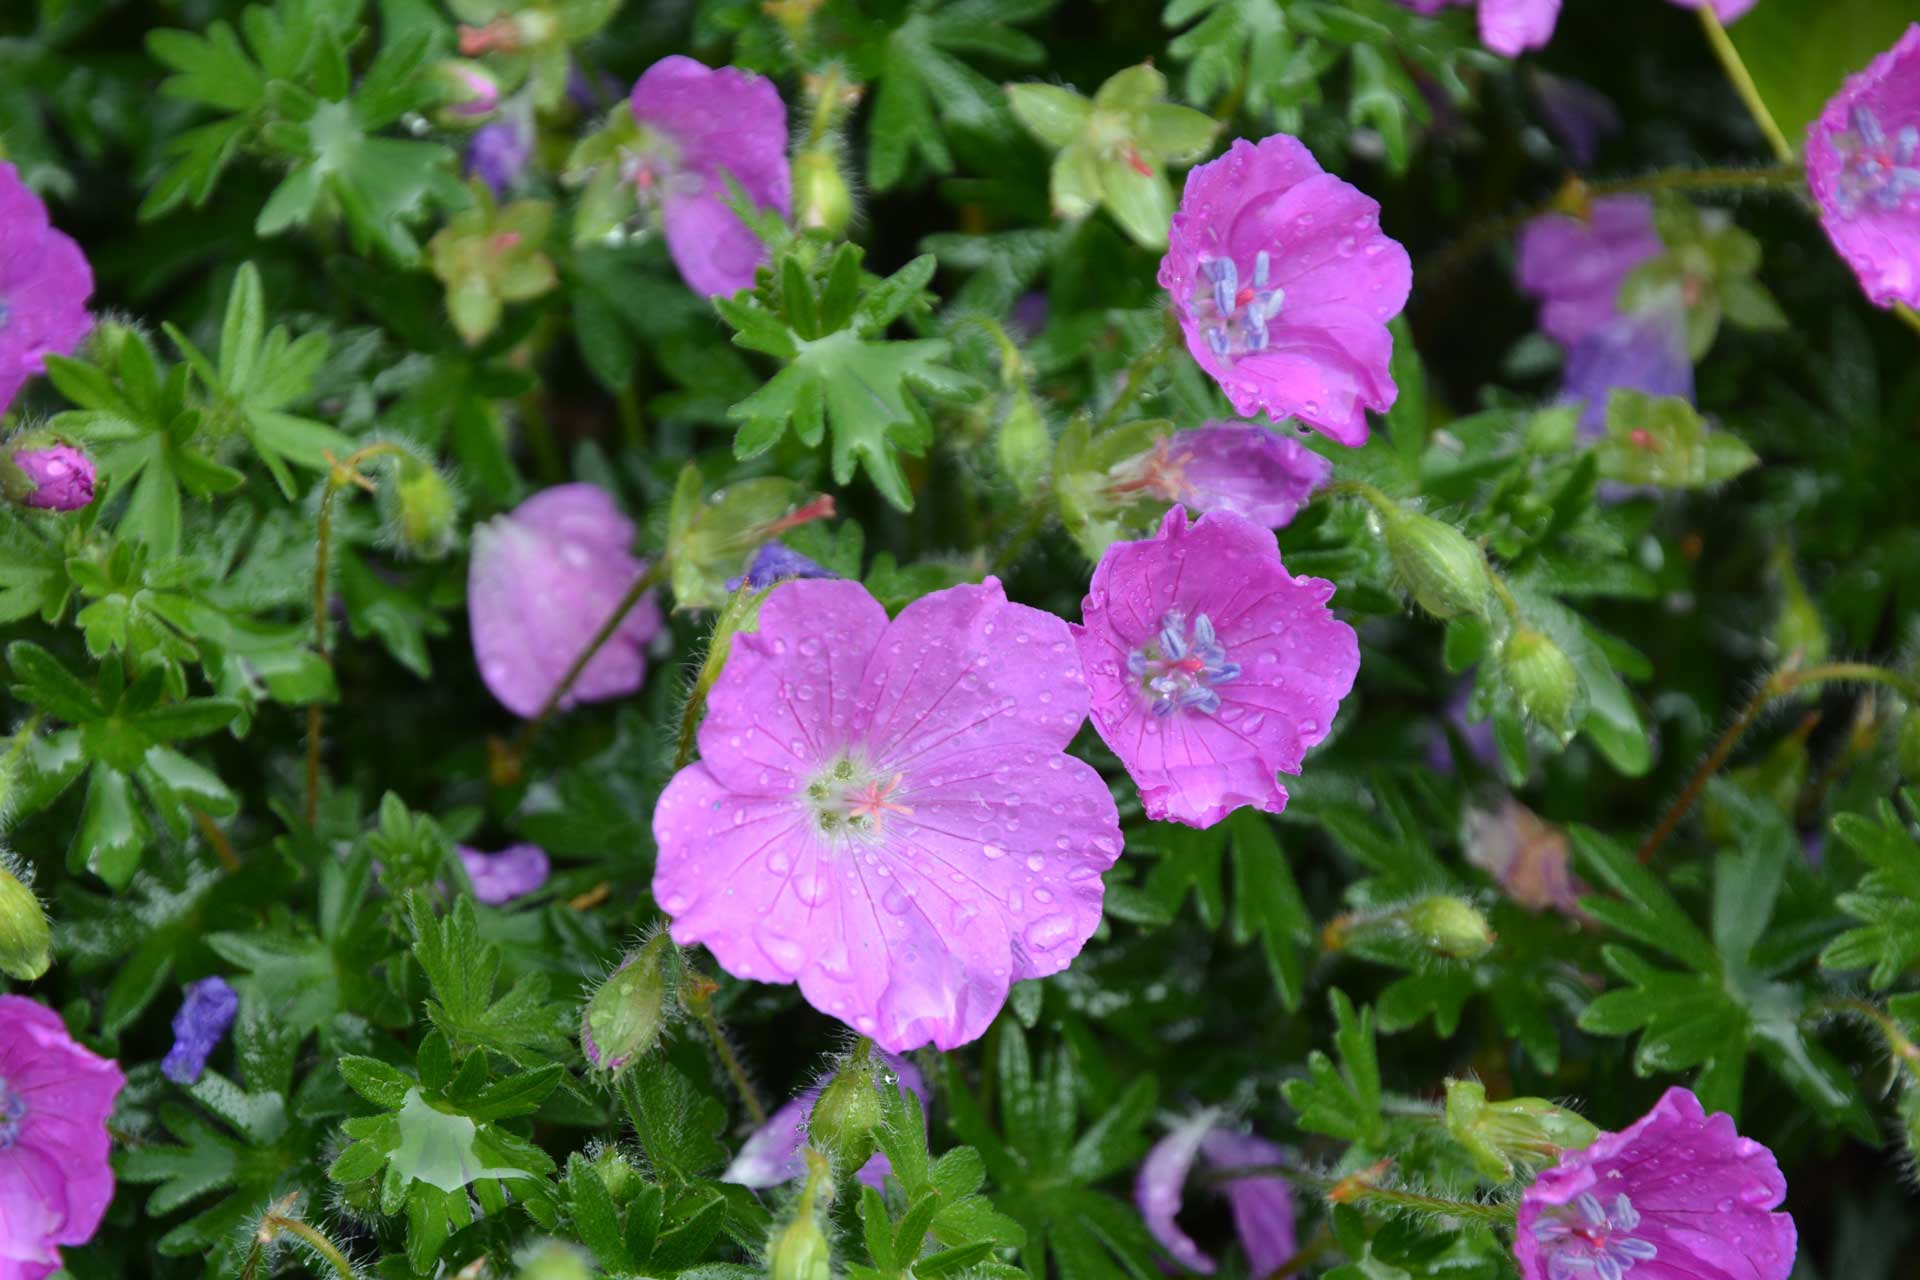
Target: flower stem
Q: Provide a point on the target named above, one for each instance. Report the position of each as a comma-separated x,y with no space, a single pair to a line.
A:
1908,316
731,1061
1139,373
318,1242
1743,83
1360,1188
641,585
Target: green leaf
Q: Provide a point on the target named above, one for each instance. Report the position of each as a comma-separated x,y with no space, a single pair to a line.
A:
1342,1102
1886,900
1799,51
675,1123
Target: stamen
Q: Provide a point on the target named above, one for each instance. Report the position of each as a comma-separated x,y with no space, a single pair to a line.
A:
1586,1238
1179,670
1234,320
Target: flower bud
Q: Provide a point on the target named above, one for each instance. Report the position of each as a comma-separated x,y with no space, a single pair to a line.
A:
1409,935
469,93
821,201
1023,446
40,471
1450,927
25,941
623,1019
848,1113
1541,677
801,1250
1527,1133
552,1260
423,509
1443,570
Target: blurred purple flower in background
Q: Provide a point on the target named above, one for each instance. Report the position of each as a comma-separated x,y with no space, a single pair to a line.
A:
198,1028
498,878
1262,1206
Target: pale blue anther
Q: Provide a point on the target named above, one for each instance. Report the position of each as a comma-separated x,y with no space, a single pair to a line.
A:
1587,1240
1875,171
1179,669
13,1112
1234,321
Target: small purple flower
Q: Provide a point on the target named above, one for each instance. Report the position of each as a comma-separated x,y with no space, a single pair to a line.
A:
198,1028
884,811
1476,734
1284,283
1725,10
498,154
1211,667
1508,27
1576,113
498,878
1676,1194
55,1179
699,124
771,1154
775,562
1529,859
1251,471
1576,267
44,286
542,581
1643,351
60,477
1863,164
1262,1206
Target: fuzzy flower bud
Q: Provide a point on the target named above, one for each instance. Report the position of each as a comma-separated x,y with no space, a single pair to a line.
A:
553,1260
623,1019
423,510
469,92
1523,1133
49,475
1542,678
1444,570
1022,445
801,1250
1450,927
848,1113
821,201
25,940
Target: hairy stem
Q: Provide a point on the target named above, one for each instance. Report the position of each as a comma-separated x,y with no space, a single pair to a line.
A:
1358,1188
314,1239
641,585
731,1061
1743,83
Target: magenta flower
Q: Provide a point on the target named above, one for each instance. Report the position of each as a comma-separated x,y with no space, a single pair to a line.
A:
771,1154
199,1027
499,878
1284,283
1678,1195
44,286
1262,1207
499,152
1211,667
1576,267
885,813
56,478
542,581
1228,466
55,1098
697,125
1863,163
1508,27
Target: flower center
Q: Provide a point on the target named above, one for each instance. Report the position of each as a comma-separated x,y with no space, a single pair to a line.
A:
1161,472
1876,170
1233,317
654,169
3,313
1586,1238
850,798
1178,669
13,1112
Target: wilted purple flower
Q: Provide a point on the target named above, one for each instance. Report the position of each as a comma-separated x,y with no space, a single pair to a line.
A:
55,1180
1211,667
44,286
1578,114
1262,1206
514,872
1676,1194
498,153
771,1153
775,562
1508,27
198,1028
1530,859
1863,163
1645,351
699,124
1284,283
1576,267
542,581
1725,10
1228,466
885,811
56,478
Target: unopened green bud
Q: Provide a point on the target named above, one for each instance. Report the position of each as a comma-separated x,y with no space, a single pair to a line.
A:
424,509
848,1113
623,1019
26,943
1541,677
821,201
552,1260
801,1250
1449,927
1522,1133
1443,570
1023,445
616,1173
1553,430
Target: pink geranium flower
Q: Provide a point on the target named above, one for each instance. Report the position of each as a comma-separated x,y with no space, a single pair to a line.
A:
1228,466
1508,27
1262,1206
1863,163
699,124
44,286
542,581
1675,1196
1211,667
771,1153
1576,266
1284,283
55,1098
884,812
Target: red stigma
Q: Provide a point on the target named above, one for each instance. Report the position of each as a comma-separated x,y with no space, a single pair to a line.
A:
821,508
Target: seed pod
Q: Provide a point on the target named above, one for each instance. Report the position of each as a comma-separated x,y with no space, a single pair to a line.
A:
1541,677
624,1018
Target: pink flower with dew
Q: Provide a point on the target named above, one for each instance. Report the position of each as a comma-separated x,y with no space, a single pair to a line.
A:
44,286
885,813
1262,1207
1863,164
1227,466
1283,283
698,125
1529,859
771,1154
1678,1195
542,581
61,476
1575,267
1508,27
1211,667
55,1097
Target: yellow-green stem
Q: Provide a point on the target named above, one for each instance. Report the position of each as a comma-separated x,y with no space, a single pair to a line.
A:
1743,83
729,1060
314,1239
